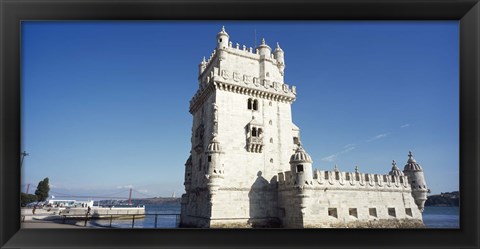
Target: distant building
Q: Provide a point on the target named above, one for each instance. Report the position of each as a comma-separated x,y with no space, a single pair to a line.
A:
247,166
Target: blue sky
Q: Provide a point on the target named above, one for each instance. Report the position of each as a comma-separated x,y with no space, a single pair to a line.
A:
105,104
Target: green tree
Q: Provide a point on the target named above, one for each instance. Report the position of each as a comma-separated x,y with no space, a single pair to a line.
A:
27,198
42,190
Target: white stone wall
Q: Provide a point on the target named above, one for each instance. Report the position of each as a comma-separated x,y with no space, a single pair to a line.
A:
343,195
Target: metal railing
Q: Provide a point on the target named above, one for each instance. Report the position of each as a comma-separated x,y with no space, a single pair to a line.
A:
132,217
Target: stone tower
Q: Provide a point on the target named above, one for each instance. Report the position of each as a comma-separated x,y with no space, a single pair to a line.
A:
242,137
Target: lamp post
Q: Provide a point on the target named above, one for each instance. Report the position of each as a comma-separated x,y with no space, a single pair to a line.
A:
24,154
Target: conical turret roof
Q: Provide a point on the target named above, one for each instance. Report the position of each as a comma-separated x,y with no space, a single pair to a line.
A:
222,32
395,170
412,165
300,156
214,145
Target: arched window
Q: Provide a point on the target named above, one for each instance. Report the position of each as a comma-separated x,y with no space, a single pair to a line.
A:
271,140
260,132
255,105
249,104
270,122
254,132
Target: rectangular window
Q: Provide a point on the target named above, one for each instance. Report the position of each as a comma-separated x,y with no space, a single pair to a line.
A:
332,212
372,212
299,168
391,212
337,176
408,212
209,158
353,212
295,140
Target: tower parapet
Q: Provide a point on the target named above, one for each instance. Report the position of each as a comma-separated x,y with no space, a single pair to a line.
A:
241,70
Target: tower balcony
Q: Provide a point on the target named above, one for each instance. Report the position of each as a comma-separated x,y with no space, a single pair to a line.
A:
255,144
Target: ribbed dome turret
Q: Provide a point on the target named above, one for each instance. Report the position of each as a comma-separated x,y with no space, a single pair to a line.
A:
395,170
214,145
412,164
300,156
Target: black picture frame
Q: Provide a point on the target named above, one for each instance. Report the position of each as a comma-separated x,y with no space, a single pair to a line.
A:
14,11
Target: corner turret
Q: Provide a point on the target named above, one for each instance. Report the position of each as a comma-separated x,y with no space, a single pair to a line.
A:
202,66
279,56
264,49
301,167
214,165
222,39
188,173
417,181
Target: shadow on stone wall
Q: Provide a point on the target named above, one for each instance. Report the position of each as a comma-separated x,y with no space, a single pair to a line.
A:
261,198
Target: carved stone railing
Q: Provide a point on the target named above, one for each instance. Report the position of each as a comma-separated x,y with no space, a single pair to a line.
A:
255,144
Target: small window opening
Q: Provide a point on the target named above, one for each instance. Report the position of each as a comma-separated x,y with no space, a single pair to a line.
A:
401,179
270,122
254,132
332,212
296,140
391,212
271,160
255,105
353,212
372,212
220,40
326,175
270,104
209,158
268,74
271,140
249,104
337,176
347,177
299,168
408,212
367,178
393,178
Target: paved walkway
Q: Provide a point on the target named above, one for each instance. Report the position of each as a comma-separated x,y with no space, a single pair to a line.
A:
47,224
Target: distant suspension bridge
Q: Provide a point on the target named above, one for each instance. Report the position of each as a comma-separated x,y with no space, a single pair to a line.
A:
120,195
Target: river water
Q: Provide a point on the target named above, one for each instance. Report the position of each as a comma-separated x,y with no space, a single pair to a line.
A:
433,217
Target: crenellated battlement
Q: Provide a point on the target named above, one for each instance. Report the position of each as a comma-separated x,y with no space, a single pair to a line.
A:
348,180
